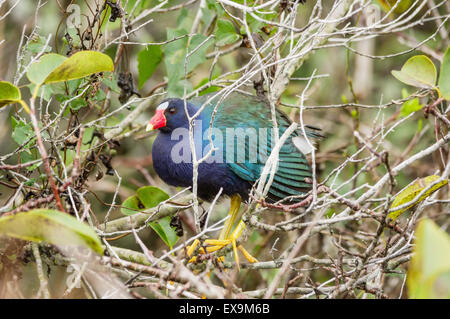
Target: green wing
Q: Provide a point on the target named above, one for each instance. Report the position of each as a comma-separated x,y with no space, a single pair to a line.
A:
251,113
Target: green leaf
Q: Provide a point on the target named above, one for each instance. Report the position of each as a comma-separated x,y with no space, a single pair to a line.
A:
409,106
175,54
9,93
148,60
225,33
39,71
38,45
99,95
25,158
73,85
208,17
151,196
44,91
174,57
254,24
51,226
182,18
165,231
400,8
77,104
112,84
444,76
418,71
148,197
14,122
79,65
419,126
210,89
30,182
429,272
411,191
131,206
22,132
199,56
215,6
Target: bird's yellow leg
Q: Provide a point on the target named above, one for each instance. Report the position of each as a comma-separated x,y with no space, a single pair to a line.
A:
211,249
234,237
226,237
192,247
233,213
247,255
218,242
224,234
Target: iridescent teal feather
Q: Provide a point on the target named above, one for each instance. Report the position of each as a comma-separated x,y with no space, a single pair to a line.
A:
293,176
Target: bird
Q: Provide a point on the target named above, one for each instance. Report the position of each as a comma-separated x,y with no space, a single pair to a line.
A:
237,133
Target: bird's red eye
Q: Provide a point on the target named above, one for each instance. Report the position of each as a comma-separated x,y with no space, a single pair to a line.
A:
172,110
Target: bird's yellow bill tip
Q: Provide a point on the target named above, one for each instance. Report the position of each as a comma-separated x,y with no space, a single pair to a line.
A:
149,127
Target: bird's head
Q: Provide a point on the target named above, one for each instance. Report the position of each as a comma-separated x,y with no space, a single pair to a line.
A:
170,114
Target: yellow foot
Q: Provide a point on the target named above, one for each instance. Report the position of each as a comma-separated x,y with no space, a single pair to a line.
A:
213,245
226,237
247,255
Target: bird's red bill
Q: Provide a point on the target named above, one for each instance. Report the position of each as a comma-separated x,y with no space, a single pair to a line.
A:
157,121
